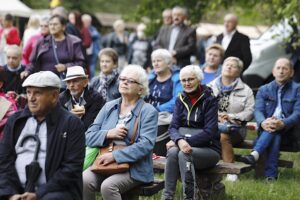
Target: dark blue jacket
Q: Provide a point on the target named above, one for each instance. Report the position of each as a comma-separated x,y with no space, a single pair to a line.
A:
203,115
177,88
266,102
64,160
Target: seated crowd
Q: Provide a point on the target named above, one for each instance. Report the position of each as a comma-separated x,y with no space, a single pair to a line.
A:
193,115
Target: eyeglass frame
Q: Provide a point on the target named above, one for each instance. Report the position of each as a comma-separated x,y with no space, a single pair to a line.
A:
189,80
128,80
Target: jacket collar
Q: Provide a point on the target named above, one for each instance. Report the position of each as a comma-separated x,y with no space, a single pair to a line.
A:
205,92
116,104
52,117
286,85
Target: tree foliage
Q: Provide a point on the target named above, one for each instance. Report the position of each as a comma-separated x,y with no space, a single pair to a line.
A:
254,11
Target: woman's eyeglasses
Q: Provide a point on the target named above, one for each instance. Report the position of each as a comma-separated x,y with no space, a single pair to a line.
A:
188,80
128,80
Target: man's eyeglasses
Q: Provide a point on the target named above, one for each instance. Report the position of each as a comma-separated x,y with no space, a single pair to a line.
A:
128,80
187,80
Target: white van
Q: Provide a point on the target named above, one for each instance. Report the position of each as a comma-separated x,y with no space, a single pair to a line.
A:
265,51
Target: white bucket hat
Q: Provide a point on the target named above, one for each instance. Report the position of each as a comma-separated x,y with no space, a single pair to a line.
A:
75,72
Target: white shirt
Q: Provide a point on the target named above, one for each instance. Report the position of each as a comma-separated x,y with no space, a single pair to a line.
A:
173,37
227,39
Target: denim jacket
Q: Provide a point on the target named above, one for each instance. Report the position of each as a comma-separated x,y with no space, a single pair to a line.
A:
266,102
139,154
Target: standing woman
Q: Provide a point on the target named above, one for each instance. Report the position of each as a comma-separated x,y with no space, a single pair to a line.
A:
236,107
57,51
32,41
115,123
194,134
107,82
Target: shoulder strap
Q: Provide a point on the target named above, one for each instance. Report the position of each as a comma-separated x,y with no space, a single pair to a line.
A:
136,125
54,51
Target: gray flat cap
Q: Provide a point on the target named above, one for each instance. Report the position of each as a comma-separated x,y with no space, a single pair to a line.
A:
42,79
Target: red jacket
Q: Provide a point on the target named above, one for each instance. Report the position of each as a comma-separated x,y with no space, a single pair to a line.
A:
12,36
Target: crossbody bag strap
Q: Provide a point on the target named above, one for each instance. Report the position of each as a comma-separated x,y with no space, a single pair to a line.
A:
54,51
62,74
136,125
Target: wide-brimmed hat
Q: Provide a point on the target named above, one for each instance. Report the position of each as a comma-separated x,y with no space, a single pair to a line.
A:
75,72
42,79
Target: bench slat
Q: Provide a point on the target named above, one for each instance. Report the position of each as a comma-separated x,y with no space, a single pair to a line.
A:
221,167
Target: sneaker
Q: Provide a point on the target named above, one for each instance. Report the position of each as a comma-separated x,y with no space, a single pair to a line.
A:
270,179
248,159
231,177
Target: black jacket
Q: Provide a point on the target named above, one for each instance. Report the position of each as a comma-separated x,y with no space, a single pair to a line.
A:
64,160
14,81
239,46
94,103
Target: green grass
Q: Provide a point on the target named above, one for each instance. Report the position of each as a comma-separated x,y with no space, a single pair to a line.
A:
287,187
248,188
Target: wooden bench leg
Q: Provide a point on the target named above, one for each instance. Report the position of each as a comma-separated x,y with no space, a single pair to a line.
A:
260,166
209,186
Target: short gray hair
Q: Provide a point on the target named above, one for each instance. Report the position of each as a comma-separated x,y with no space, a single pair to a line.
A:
182,9
164,54
194,69
142,77
238,61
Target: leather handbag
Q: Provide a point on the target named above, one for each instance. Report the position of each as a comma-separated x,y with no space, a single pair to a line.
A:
114,168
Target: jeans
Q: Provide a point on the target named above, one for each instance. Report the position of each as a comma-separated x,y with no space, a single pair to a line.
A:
184,165
269,143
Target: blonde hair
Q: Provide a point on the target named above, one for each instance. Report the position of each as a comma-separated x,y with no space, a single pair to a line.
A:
34,21
238,61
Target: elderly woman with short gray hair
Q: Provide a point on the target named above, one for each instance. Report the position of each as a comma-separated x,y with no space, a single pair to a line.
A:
236,107
115,122
164,85
194,134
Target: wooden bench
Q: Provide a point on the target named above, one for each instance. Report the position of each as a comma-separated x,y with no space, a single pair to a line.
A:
209,181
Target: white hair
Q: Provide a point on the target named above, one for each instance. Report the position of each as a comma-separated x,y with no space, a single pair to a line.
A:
142,77
86,17
194,69
164,54
119,24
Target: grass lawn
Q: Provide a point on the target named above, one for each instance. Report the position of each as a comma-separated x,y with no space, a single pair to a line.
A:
287,187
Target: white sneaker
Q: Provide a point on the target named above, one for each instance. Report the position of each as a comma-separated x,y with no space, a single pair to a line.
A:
231,177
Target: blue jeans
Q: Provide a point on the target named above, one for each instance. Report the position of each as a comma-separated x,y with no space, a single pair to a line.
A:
269,143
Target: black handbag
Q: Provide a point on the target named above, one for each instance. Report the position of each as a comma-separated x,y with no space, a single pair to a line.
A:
188,132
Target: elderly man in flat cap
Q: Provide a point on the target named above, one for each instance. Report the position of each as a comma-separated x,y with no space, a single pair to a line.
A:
79,99
62,145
